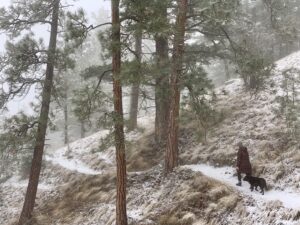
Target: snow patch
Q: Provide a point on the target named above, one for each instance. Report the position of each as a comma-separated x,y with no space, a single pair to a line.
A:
226,175
17,182
135,214
78,148
72,164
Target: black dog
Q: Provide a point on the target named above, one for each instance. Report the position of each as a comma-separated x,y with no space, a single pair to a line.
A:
255,182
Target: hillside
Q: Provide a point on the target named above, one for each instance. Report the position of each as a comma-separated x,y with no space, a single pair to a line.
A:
253,121
77,184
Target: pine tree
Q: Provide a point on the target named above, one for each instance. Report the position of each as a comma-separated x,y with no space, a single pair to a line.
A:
42,126
121,214
24,66
171,156
133,17
135,90
289,101
61,94
17,142
162,86
142,14
89,101
207,18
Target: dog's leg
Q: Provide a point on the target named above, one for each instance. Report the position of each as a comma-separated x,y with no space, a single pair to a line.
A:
262,190
252,187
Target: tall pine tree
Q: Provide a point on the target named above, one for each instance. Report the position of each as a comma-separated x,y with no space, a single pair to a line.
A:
42,125
121,214
26,60
171,156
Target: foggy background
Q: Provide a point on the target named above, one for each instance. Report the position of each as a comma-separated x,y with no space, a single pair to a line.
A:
93,9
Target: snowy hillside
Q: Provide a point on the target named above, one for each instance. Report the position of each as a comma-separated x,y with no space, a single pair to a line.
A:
252,120
77,185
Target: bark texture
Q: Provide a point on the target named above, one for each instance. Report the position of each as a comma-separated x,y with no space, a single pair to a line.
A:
121,214
82,129
162,90
66,125
171,156
42,125
135,90
226,67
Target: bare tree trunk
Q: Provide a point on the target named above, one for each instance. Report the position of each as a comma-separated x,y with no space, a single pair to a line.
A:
226,67
171,156
281,50
82,129
135,90
66,128
121,214
42,125
162,87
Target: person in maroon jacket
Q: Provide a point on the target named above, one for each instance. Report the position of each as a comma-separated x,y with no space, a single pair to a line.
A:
243,164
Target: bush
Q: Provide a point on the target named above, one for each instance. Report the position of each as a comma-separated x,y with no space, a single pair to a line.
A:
289,104
254,71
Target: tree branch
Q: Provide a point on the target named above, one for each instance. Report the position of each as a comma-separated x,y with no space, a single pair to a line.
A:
100,79
18,21
92,27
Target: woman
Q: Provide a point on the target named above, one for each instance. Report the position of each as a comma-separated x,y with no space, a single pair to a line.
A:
243,164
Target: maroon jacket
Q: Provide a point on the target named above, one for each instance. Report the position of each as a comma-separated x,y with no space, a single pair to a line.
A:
243,162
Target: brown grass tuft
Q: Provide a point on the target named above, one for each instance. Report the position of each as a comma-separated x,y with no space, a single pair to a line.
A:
143,155
197,198
78,194
169,220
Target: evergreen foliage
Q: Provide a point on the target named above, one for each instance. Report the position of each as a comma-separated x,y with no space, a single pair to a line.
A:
289,102
254,70
161,48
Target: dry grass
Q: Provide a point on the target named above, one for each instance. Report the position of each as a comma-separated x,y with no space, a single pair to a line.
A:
186,198
13,222
187,219
143,155
199,199
223,158
295,155
79,193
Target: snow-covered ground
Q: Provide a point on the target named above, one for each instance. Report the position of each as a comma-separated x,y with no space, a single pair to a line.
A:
17,182
288,198
81,157
150,194
81,147
255,121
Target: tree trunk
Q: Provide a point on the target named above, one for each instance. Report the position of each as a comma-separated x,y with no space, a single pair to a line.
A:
273,55
66,128
162,88
42,125
226,67
171,156
121,215
134,104
82,129
281,49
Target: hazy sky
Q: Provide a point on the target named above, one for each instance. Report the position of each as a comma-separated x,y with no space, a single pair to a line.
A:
92,8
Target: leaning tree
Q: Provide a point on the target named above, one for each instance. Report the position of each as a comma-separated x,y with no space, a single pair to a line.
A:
28,62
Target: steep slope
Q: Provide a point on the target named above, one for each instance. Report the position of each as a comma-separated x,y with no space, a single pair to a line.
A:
254,121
